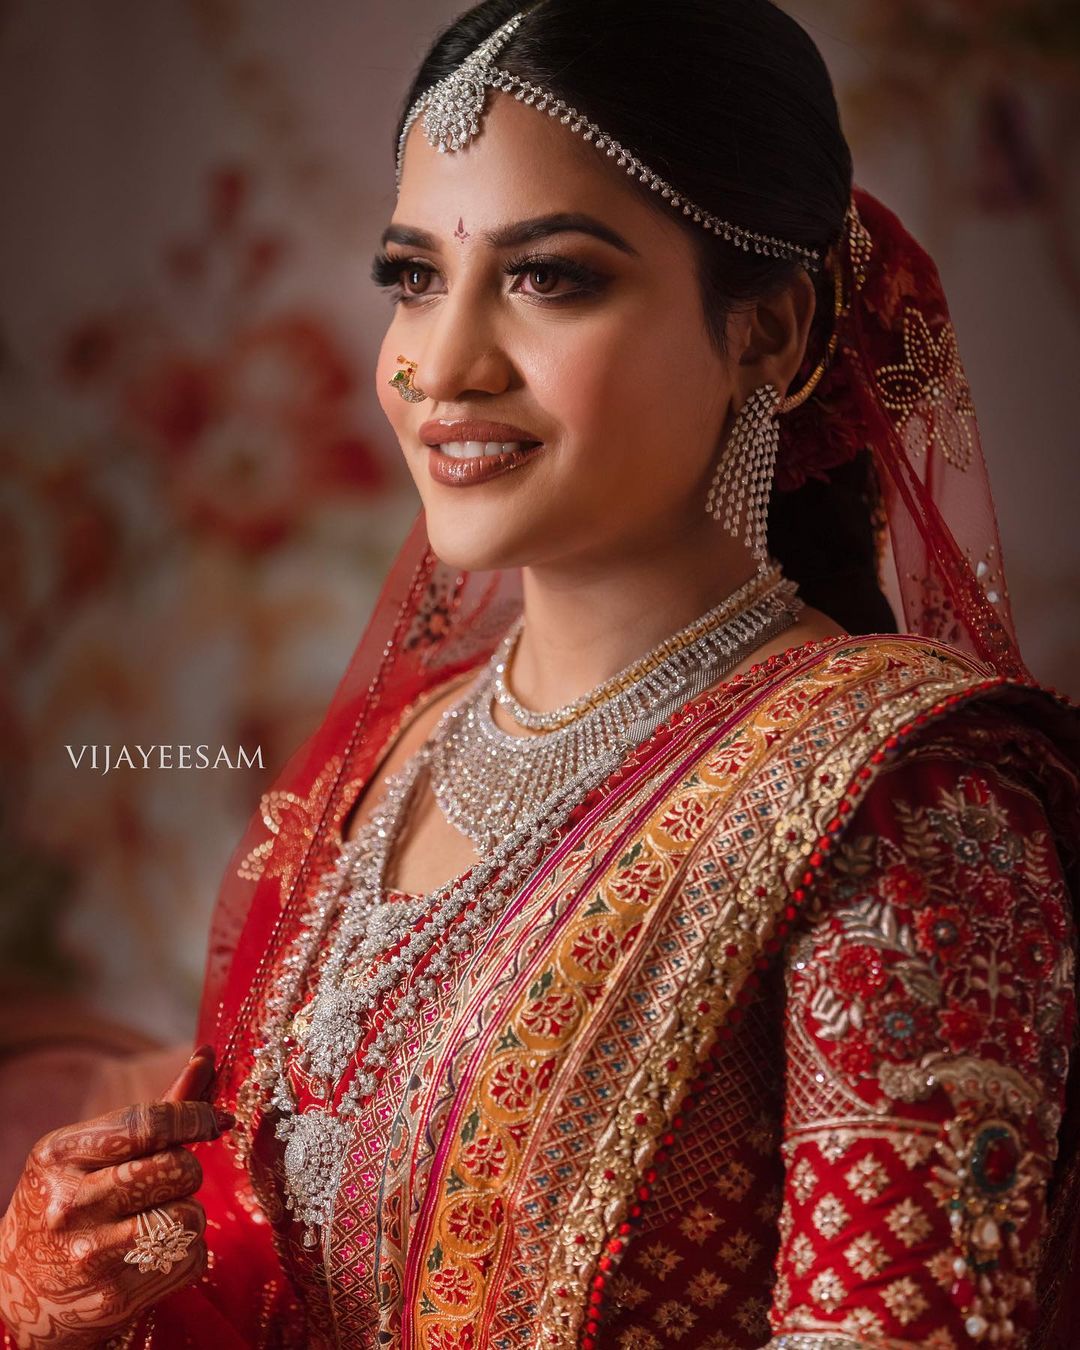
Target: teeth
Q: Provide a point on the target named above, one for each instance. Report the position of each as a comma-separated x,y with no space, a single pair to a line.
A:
474,449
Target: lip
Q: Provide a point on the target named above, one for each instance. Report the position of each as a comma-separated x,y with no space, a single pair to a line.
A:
465,472
472,429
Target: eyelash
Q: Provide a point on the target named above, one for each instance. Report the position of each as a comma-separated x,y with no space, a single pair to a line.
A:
386,273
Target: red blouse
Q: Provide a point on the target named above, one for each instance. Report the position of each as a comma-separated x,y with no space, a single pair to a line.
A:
869,1164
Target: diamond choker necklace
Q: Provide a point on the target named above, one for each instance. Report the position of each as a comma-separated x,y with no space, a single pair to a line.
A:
485,779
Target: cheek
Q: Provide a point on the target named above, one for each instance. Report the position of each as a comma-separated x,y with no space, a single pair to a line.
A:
617,386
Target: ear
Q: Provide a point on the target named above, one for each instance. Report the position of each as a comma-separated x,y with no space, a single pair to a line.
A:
773,334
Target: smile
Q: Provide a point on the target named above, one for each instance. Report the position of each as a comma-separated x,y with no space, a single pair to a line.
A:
463,463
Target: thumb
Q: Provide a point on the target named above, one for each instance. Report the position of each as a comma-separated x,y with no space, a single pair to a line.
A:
194,1078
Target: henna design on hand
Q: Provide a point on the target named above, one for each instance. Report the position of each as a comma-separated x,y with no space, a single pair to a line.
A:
138,1184
63,1278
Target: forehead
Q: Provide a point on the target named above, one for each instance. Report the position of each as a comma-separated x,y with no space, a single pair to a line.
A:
521,163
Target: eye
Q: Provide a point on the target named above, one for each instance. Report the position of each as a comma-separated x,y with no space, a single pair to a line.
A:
544,273
404,278
415,278
409,279
543,279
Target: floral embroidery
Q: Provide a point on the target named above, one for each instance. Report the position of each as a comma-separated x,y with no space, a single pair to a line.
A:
770,1204
942,933
707,1288
903,1300
827,1290
801,1254
637,1338
700,1223
674,1319
929,387
863,1322
908,1223
926,996
627,1293
292,821
659,1260
752,1314
830,1217
859,971
867,1178
940,1266
735,1182
865,1255
740,1250
803,1180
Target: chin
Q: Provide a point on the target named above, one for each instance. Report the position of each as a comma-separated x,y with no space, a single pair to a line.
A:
472,548
462,548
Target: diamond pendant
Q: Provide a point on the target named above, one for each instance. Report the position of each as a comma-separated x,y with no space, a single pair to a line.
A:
313,1149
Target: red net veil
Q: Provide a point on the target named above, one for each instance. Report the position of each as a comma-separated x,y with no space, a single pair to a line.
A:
894,385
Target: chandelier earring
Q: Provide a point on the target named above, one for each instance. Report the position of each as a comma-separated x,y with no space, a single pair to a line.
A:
742,484
740,488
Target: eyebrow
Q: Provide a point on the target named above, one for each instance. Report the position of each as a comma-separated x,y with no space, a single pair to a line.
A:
518,233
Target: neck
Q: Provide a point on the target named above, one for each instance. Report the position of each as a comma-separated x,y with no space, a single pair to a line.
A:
587,619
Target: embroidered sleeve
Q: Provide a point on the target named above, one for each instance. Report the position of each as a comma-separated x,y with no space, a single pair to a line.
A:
930,1011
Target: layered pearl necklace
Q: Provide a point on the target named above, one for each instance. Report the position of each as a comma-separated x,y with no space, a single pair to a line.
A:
511,795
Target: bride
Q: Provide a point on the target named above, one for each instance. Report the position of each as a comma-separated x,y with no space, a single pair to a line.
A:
653,946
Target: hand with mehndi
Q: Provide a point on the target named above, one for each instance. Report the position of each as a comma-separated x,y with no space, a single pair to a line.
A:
86,1197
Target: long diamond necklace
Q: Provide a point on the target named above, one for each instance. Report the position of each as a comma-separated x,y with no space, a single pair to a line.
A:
378,942
327,1033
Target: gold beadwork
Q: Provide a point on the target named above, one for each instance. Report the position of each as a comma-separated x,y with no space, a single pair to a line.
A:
792,401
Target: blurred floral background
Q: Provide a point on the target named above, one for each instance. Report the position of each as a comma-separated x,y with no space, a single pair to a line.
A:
199,497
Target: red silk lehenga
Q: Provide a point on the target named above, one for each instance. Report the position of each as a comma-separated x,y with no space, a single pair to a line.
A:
772,1045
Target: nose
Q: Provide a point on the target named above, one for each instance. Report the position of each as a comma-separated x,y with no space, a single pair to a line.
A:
461,353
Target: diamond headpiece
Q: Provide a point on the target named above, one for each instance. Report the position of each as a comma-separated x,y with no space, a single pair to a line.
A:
452,109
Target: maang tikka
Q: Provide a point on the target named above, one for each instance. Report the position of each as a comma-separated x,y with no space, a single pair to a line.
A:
450,112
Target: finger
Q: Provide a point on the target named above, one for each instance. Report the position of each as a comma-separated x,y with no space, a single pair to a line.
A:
194,1078
95,1255
141,1290
140,1183
132,1132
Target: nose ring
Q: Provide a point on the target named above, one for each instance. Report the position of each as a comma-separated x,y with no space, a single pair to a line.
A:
402,382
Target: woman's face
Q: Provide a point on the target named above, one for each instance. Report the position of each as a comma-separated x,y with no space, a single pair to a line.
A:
585,333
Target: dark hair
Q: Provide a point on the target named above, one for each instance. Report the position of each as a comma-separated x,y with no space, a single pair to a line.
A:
731,102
